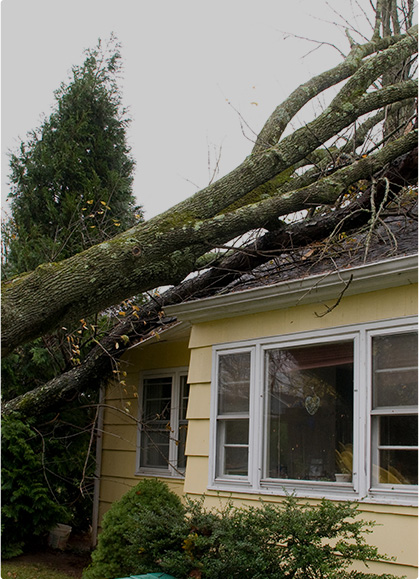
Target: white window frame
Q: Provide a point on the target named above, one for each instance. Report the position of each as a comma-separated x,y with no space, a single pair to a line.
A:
172,470
361,486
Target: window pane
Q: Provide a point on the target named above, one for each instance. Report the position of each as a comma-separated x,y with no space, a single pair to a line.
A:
237,432
157,398
398,431
155,427
235,461
181,443
232,447
183,423
397,467
154,448
234,383
309,411
395,370
184,396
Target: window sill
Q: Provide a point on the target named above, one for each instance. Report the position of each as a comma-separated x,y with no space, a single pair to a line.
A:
159,474
317,490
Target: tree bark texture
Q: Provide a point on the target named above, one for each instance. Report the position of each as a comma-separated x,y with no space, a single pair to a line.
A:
164,250
101,361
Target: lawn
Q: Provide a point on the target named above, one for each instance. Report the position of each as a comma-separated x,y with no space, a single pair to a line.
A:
20,570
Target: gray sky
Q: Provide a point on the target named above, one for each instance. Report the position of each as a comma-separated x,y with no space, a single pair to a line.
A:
192,70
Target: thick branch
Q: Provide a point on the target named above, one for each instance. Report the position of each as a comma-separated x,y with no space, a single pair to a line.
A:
164,250
101,360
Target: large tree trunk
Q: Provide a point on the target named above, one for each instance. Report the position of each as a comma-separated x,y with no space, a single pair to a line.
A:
165,249
100,363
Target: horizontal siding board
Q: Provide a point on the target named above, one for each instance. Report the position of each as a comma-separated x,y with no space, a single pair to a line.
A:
199,401
197,443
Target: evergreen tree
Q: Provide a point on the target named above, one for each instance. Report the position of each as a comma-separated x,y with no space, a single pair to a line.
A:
71,181
71,187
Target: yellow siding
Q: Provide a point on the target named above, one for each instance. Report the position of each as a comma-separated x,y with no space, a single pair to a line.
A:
398,534
196,475
120,419
390,303
199,401
198,438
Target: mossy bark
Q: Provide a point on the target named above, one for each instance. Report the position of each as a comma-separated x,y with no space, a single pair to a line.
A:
164,250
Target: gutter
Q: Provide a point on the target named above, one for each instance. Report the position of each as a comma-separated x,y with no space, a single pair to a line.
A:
357,280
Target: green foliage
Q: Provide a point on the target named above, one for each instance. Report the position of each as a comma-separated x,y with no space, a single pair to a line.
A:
149,531
71,187
136,530
282,541
61,441
28,509
71,182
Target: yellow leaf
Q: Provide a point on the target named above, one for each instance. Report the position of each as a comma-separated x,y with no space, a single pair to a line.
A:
122,314
117,224
90,201
103,203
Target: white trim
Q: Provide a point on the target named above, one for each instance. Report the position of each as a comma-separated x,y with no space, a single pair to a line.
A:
366,278
360,488
98,468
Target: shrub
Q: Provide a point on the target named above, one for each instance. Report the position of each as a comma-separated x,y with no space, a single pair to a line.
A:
135,530
282,541
28,509
148,530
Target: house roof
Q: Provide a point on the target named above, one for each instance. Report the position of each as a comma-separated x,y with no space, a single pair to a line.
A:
395,236
367,260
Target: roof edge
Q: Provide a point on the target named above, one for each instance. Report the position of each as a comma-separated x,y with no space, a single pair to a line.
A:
357,280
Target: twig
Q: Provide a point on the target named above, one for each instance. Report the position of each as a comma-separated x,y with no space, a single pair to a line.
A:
335,305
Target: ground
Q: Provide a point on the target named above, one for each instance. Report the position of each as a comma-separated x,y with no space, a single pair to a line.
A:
72,561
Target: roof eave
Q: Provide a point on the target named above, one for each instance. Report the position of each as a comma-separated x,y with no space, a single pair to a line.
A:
357,280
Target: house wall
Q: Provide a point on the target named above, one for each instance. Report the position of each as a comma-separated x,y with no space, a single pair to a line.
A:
397,535
119,439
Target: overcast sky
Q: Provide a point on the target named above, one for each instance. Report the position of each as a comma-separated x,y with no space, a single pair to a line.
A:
192,71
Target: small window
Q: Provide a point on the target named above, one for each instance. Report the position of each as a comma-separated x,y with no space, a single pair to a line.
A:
163,424
394,412
233,414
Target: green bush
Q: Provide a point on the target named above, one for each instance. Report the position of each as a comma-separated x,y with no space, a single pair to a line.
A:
148,530
135,530
282,541
28,508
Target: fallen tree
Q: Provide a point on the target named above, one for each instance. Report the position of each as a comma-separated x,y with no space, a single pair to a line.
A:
143,322
332,162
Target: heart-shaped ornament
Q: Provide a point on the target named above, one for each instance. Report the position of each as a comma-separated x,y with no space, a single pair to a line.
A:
312,404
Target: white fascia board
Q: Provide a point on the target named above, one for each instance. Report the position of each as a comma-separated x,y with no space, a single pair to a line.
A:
365,278
177,332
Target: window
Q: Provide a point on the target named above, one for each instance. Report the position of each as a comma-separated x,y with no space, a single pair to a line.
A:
163,424
328,413
394,409
308,410
233,414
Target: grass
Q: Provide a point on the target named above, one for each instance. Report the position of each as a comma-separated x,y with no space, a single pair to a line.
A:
20,570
